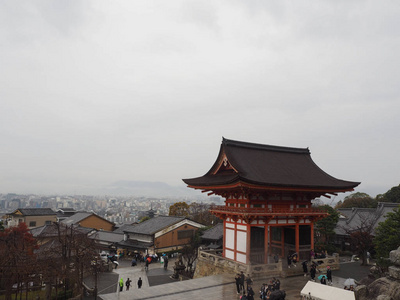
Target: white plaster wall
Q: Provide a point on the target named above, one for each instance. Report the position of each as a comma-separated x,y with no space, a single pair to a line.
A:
241,240
229,254
241,258
230,225
241,227
230,238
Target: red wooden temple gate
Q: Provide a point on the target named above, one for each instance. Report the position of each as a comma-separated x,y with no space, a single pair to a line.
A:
268,192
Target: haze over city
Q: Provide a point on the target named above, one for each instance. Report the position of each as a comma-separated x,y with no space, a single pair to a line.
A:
95,93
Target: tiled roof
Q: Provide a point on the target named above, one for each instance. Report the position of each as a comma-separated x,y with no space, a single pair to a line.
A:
76,218
215,233
153,225
107,236
357,217
267,165
134,244
36,211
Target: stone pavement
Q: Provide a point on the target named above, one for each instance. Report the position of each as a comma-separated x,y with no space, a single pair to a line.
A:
211,287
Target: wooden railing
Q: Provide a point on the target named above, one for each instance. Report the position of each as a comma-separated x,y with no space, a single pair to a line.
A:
268,211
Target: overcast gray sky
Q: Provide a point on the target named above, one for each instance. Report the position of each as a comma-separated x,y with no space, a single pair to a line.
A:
92,92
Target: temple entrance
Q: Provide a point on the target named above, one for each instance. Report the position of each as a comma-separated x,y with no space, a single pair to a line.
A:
257,245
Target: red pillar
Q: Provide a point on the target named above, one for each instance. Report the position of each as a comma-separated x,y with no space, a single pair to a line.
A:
283,242
223,240
248,239
266,249
297,241
312,235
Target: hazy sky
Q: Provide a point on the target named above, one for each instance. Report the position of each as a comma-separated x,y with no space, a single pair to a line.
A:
92,92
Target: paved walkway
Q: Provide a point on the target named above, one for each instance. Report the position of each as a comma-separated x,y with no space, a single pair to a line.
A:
211,287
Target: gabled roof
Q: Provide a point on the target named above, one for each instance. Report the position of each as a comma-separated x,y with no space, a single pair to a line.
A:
215,233
153,225
79,217
357,217
267,166
106,236
34,211
53,229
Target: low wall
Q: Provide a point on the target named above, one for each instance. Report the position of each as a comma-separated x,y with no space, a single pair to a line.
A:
210,263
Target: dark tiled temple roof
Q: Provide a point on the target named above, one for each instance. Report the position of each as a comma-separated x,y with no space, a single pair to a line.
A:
267,165
215,233
36,211
153,225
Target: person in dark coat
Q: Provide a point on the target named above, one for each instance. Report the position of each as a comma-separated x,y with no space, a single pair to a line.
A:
237,281
289,260
139,282
249,281
242,282
312,272
305,268
250,293
128,284
323,280
165,262
329,275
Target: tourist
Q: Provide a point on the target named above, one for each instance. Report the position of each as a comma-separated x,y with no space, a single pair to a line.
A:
242,281
250,293
121,284
312,272
139,282
165,262
276,258
312,253
249,281
128,284
323,280
329,275
289,260
305,268
237,281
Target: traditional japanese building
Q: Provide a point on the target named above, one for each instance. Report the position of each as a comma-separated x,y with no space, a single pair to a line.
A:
268,192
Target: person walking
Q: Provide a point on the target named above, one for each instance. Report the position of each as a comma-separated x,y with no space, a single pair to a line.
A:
329,275
242,282
139,282
165,262
312,272
305,268
237,281
250,293
121,284
249,282
128,284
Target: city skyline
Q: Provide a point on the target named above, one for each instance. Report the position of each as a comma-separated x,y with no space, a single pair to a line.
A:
96,92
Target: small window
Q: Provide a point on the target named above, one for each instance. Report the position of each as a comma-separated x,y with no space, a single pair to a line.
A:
231,204
47,223
241,205
257,205
32,223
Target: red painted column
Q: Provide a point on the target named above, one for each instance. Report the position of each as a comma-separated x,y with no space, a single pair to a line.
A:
235,242
297,240
248,239
266,249
223,240
283,242
312,235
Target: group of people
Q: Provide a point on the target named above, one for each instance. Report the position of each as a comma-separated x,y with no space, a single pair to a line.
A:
128,283
292,259
267,290
248,292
